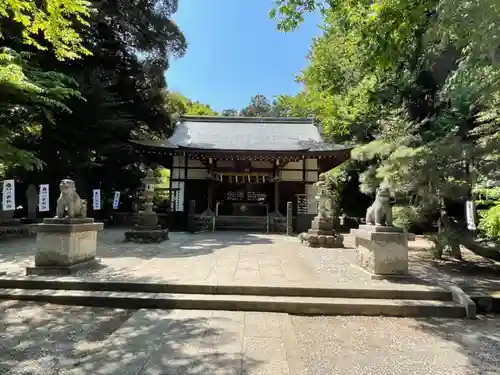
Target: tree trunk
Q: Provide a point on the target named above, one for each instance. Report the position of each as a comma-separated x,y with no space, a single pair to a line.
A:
476,248
451,232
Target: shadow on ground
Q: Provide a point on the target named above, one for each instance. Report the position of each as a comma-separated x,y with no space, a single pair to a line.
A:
121,257
62,340
478,340
472,274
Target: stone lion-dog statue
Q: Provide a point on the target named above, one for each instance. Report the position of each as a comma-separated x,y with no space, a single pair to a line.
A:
380,212
69,201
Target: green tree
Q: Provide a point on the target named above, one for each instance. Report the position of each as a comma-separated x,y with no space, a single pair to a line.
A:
259,106
419,82
199,109
178,105
29,94
229,113
55,20
123,83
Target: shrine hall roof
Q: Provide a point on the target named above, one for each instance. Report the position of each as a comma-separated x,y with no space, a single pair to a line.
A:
246,133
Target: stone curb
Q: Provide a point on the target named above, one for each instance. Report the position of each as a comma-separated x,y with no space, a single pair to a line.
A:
486,302
290,305
342,291
459,296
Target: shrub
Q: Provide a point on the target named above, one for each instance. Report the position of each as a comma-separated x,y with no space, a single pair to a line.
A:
489,221
406,216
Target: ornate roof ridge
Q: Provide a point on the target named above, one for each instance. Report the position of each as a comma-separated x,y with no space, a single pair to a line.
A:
245,119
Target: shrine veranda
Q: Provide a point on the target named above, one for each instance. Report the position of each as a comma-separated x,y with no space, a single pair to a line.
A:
240,169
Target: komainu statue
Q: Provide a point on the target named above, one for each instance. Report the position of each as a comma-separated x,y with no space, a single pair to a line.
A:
380,212
70,201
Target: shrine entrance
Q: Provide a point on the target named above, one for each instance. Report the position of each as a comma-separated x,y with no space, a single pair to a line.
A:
240,172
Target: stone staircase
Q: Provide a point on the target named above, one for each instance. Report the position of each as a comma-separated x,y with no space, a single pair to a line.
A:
246,223
389,300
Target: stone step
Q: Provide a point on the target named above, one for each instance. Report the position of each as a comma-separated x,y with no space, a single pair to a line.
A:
382,291
486,302
259,223
291,305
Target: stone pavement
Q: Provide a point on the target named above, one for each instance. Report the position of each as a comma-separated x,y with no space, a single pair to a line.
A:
60,340
243,259
222,257
51,340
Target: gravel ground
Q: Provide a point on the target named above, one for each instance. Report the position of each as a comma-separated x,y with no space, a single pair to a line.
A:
41,339
334,265
402,346
44,339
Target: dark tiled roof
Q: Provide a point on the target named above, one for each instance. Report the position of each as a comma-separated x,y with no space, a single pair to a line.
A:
250,133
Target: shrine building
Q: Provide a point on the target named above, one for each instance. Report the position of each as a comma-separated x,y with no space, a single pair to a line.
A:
240,172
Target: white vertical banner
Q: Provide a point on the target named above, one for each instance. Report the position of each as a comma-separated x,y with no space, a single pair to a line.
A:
8,195
96,199
43,198
470,214
116,200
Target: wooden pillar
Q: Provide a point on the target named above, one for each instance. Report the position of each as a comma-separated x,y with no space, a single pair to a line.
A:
210,195
276,196
210,188
289,218
276,174
191,216
186,203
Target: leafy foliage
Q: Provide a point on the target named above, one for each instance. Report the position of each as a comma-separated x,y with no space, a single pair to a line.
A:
417,82
490,221
259,106
177,105
56,20
30,95
229,112
121,83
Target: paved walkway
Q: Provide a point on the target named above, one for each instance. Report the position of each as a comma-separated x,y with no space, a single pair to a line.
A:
222,257
82,341
241,258
40,339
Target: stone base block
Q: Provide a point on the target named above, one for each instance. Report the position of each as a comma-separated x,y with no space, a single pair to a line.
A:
146,236
399,278
323,224
319,238
148,218
66,245
62,270
380,228
382,253
66,220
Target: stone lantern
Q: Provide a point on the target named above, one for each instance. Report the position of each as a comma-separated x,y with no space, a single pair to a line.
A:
322,233
147,217
147,230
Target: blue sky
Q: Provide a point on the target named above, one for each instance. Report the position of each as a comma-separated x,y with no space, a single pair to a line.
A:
236,52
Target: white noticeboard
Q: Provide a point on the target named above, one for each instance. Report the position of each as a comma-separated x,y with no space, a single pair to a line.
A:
43,198
9,195
96,199
116,200
470,214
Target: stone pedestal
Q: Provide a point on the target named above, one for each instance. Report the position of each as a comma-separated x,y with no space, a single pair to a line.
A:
322,234
146,234
64,246
381,250
148,230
